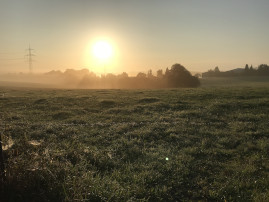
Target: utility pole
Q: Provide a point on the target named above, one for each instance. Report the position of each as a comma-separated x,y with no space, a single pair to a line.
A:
30,59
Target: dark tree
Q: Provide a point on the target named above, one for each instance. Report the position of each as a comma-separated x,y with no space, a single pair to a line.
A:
263,70
141,75
123,75
166,71
179,76
160,73
150,75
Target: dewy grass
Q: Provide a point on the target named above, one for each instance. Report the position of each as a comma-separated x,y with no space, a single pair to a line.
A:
208,144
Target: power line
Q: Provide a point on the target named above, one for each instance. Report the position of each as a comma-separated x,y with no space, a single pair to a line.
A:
9,53
11,59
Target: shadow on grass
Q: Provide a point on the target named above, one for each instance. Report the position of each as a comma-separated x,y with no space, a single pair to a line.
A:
36,185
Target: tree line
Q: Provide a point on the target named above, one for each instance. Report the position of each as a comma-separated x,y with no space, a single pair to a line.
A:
261,70
175,77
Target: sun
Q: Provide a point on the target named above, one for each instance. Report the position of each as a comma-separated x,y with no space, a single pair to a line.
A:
102,50
101,55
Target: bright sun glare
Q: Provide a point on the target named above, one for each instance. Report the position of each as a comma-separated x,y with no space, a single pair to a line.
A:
102,50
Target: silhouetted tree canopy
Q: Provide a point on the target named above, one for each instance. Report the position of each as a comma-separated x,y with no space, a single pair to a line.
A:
177,76
150,74
246,67
261,70
141,75
123,75
160,73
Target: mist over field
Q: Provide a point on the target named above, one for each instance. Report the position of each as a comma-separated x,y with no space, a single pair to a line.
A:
176,76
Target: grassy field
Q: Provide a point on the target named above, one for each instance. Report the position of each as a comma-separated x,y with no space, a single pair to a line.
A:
247,81
207,144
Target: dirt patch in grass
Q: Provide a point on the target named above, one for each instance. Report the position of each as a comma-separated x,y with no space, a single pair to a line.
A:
107,103
149,100
41,101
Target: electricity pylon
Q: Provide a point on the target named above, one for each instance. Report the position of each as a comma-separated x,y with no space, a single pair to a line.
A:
30,59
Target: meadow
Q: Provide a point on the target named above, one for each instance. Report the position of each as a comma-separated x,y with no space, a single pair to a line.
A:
202,144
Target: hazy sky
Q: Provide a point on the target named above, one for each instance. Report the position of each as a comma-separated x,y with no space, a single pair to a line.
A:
144,34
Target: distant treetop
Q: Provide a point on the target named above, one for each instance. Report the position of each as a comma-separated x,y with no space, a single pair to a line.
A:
261,70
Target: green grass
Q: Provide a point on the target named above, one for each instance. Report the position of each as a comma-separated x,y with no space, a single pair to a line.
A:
257,81
113,145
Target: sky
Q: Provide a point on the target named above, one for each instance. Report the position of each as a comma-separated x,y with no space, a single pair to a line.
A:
144,34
